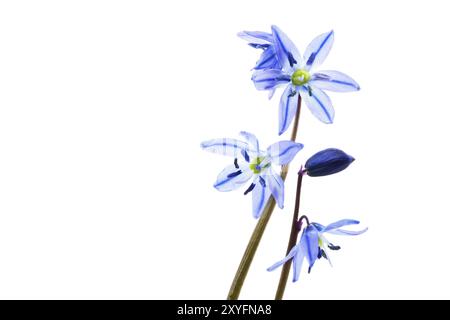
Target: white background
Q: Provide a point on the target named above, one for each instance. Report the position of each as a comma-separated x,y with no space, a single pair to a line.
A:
105,192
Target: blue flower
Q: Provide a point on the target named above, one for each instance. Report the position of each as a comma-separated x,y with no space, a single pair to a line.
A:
326,162
252,163
298,74
313,245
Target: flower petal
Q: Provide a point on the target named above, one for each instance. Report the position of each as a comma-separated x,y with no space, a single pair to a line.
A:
334,81
276,186
225,146
269,79
287,109
318,103
340,223
287,53
256,37
268,59
342,232
333,228
297,264
318,50
251,140
260,195
291,254
232,178
283,152
310,244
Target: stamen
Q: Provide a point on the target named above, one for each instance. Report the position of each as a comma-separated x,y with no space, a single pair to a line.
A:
333,247
309,91
291,59
292,93
250,189
245,155
262,181
236,163
234,174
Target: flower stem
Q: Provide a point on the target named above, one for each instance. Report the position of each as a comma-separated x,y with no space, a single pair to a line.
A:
295,229
257,234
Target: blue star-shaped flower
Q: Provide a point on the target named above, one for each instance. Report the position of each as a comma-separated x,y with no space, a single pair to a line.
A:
252,163
287,67
313,245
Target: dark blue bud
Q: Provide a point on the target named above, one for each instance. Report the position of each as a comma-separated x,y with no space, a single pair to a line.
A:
326,162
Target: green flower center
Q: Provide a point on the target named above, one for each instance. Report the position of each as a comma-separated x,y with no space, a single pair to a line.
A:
255,165
300,77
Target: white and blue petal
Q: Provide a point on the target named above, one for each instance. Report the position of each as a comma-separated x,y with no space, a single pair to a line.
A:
260,195
318,103
256,37
251,140
268,59
297,263
310,244
342,232
333,81
232,177
339,224
283,152
269,79
287,53
291,254
276,186
318,50
225,146
287,108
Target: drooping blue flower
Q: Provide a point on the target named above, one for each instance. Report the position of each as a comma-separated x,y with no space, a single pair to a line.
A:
252,163
326,162
313,245
298,74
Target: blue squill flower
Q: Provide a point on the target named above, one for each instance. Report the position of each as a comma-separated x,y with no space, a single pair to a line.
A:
313,245
264,41
298,73
252,163
327,162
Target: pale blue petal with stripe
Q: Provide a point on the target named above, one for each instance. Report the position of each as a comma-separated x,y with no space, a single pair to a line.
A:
287,108
310,244
318,103
225,146
276,186
260,195
269,79
232,178
268,59
283,152
287,53
291,254
251,140
318,50
340,223
342,232
256,37
333,81
297,263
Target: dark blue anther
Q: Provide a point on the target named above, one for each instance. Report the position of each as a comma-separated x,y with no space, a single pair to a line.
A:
292,93
234,174
250,189
291,59
245,155
236,163
333,247
262,181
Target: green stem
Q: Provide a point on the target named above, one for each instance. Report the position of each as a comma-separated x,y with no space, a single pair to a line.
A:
257,234
295,229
